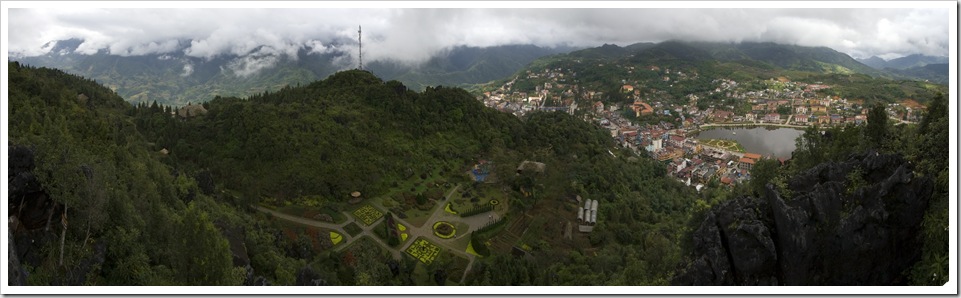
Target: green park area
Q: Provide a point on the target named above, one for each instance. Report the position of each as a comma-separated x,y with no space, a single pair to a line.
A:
729,145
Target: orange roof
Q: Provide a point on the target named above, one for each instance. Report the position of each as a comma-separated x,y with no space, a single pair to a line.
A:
746,160
753,156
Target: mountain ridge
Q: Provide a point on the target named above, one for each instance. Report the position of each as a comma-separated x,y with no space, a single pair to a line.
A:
177,78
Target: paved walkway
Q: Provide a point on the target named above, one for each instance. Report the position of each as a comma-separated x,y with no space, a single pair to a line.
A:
709,125
427,230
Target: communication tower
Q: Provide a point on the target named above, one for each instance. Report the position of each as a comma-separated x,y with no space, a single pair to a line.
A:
360,49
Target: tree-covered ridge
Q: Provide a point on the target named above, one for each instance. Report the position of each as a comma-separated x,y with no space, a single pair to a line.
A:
92,203
351,132
143,189
694,67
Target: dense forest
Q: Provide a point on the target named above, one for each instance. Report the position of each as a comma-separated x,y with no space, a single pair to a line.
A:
109,193
350,132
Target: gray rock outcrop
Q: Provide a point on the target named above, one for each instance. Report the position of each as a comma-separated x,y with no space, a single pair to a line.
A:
834,230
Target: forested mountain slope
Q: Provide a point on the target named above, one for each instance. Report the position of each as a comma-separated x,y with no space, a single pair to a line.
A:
147,197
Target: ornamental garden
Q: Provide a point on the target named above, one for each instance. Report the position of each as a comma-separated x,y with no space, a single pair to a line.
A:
367,214
423,250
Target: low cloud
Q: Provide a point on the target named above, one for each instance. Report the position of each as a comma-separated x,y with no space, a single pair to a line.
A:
188,70
256,39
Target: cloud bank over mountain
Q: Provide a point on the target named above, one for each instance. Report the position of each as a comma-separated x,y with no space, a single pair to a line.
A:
258,38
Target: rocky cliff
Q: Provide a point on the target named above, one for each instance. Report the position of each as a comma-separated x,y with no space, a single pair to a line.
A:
845,223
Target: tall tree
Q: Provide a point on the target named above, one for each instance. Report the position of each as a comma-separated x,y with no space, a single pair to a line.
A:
203,256
877,129
762,173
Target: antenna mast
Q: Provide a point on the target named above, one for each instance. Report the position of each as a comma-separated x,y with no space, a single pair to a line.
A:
360,49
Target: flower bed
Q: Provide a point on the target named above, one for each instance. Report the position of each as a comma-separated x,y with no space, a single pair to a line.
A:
403,232
336,238
367,214
423,250
444,230
450,210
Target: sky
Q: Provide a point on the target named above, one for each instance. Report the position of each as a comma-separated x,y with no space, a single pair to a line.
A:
412,35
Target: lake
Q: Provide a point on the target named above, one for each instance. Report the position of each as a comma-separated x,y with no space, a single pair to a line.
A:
765,141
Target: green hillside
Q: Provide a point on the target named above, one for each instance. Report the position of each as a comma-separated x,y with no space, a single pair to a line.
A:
695,65
159,200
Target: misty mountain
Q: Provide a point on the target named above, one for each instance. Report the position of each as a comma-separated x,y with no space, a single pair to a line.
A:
916,60
788,57
937,73
463,65
176,79
913,67
680,68
611,51
875,62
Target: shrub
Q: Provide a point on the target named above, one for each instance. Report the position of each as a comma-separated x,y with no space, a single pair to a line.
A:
421,199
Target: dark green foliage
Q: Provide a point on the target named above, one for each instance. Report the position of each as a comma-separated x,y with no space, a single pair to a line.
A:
490,226
476,210
202,255
421,199
119,195
932,148
478,244
876,131
762,173
345,133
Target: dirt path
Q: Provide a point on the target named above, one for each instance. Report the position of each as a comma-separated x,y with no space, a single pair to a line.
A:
306,221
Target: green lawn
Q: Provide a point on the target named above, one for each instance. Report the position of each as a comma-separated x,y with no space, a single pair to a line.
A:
311,212
724,144
353,229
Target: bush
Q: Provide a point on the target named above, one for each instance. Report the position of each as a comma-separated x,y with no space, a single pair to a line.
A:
421,199
393,241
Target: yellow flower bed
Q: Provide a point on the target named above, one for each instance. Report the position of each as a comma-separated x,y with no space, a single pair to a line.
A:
336,238
368,215
453,231
401,227
423,250
451,211
403,237
470,249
